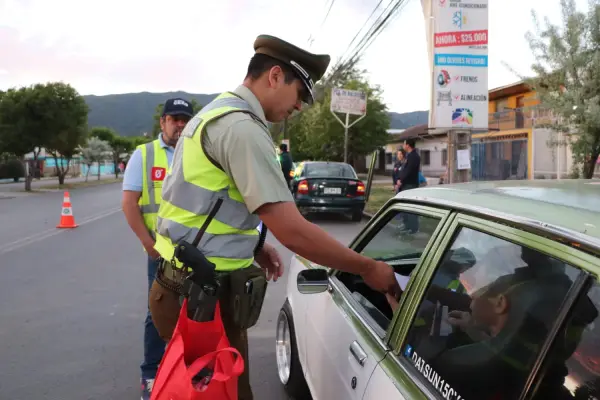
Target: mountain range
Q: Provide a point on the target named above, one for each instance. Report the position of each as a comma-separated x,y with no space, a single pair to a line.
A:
130,114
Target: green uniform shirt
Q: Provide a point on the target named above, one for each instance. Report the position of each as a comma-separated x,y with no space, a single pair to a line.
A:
244,148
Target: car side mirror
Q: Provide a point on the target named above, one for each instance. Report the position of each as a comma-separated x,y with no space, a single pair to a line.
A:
312,281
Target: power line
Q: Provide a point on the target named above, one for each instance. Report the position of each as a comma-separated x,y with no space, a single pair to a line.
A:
361,28
347,62
312,38
380,28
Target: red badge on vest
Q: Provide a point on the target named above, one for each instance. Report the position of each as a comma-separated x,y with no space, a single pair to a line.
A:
158,174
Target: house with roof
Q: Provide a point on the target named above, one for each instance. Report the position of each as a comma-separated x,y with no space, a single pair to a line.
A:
515,146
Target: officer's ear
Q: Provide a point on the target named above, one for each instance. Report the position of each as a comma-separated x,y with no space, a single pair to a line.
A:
163,122
276,76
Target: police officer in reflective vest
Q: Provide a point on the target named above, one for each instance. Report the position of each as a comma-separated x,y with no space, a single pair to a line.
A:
142,185
226,155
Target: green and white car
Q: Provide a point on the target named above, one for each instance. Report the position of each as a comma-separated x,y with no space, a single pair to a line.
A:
501,300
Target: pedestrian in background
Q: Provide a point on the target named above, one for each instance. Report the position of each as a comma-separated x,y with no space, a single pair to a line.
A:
286,162
142,187
398,165
408,178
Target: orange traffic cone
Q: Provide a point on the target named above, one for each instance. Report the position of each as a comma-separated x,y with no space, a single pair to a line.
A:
67,220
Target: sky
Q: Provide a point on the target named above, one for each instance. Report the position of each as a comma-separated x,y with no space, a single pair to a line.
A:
121,46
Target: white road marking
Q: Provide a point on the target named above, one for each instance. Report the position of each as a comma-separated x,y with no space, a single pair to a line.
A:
53,232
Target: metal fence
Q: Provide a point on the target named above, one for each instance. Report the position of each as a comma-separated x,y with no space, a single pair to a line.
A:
548,156
499,160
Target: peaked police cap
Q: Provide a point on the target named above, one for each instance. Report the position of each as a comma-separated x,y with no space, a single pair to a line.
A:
308,66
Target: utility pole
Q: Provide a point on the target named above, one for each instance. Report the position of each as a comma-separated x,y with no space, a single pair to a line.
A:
459,140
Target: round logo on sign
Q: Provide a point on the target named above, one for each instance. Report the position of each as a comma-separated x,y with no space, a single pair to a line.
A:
158,173
66,211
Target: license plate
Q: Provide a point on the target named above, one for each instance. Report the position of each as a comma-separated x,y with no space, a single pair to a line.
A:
332,190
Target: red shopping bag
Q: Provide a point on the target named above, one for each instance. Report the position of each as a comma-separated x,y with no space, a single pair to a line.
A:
194,346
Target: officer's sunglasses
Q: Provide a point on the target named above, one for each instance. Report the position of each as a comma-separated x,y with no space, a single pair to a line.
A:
180,118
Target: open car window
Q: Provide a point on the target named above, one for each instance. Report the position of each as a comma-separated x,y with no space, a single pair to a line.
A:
400,241
403,238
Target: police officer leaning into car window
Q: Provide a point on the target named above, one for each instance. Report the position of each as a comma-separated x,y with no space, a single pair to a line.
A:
226,154
142,185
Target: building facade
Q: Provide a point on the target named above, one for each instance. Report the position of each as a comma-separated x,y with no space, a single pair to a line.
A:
516,146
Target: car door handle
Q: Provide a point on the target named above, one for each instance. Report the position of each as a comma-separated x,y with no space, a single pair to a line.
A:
358,353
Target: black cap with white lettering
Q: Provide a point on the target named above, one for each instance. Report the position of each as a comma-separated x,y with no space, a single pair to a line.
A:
178,106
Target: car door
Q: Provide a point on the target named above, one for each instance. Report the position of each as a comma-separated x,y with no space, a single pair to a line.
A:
514,289
346,326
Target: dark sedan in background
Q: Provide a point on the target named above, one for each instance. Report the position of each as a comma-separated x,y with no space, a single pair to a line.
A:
324,186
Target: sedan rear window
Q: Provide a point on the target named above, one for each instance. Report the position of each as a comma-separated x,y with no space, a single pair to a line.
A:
329,170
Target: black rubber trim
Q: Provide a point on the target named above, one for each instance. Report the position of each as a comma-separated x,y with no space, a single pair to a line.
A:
261,239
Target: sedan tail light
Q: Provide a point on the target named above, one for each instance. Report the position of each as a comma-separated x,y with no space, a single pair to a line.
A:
303,187
360,189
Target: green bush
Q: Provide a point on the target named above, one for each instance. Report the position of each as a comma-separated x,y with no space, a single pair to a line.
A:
13,169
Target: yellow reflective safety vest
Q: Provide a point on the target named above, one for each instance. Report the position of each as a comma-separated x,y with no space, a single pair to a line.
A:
193,184
155,165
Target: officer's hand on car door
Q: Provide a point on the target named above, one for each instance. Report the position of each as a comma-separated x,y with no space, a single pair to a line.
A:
268,258
381,277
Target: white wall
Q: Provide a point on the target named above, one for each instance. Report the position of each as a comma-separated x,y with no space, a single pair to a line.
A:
436,148
550,160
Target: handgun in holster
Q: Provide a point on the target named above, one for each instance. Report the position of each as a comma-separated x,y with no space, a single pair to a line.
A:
201,287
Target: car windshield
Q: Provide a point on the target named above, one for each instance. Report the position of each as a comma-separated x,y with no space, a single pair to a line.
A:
329,170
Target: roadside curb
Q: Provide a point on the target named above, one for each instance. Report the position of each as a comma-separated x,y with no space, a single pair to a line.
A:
367,215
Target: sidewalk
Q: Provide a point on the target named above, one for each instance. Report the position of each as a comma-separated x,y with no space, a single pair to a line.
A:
384,180
13,187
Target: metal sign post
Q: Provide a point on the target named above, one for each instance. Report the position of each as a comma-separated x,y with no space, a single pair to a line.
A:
348,102
370,174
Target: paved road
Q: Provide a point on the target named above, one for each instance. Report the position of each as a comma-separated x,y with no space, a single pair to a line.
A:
73,301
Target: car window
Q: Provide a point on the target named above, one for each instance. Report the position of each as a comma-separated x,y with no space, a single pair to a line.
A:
400,242
329,170
572,370
485,316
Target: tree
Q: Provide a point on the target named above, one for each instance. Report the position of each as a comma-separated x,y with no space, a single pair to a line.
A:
567,78
64,113
94,152
158,112
317,134
118,145
137,140
22,125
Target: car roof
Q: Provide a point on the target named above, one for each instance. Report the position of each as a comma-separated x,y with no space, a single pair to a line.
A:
571,206
327,162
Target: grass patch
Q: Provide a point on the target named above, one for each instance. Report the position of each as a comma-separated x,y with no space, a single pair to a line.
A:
75,185
380,194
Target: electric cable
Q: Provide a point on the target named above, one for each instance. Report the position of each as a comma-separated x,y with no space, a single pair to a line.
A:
348,61
312,37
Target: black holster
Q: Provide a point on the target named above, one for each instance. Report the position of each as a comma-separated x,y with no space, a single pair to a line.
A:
242,291
243,294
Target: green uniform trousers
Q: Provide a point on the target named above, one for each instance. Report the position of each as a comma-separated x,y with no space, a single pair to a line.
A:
165,307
